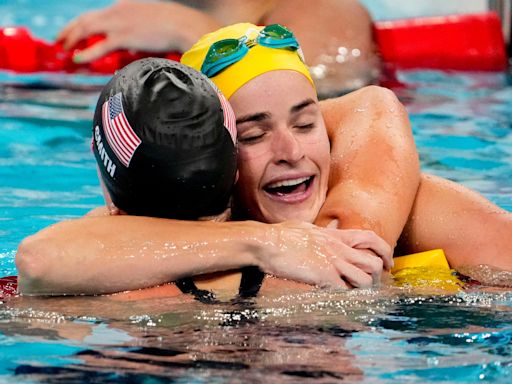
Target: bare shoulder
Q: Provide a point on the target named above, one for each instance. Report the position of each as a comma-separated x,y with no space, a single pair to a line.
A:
360,96
358,106
98,212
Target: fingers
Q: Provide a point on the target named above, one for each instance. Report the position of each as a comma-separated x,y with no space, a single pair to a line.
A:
356,277
377,245
334,281
345,274
368,263
95,51
88,24
365,239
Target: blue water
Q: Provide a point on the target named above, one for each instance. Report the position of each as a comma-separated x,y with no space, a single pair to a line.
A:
463,127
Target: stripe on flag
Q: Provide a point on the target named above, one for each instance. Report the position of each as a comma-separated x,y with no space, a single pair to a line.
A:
229,116
120,135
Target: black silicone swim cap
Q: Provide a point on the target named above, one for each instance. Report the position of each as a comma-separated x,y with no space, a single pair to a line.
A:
164,139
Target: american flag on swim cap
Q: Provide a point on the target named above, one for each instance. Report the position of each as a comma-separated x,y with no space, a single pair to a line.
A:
120,135
229,116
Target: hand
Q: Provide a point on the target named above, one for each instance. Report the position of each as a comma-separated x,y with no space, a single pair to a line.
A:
368,241
326,257
155,26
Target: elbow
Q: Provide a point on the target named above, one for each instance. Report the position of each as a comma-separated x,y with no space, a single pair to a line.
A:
32,259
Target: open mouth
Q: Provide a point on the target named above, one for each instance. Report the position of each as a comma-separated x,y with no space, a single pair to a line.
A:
288,187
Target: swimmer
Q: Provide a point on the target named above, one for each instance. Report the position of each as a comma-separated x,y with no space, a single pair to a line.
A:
177,161
327,30
443,214
425,213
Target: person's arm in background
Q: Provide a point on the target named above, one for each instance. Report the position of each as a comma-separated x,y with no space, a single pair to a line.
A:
336,38
375,167
106,254
136,25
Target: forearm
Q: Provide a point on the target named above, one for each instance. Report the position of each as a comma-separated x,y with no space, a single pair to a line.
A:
111,254
375,169
97,255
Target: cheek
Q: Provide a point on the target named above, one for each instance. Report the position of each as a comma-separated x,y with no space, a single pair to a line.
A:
249,171
319,150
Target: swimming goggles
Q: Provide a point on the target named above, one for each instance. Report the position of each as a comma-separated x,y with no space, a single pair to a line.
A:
226,52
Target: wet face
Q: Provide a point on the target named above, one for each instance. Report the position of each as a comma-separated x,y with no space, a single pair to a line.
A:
283,148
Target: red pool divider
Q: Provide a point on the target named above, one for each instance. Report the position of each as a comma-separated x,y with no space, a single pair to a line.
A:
21,52
459,42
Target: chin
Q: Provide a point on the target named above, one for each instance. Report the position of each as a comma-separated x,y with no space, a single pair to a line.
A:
292,216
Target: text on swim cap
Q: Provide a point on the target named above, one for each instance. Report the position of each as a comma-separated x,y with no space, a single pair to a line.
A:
107,163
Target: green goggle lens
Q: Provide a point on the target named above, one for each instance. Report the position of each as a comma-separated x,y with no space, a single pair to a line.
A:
226,52
223,48
276,31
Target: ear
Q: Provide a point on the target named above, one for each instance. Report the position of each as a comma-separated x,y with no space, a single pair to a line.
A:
106,195
236,177
112,209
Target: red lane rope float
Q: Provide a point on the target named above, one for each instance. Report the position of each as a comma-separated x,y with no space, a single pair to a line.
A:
21,52
459,42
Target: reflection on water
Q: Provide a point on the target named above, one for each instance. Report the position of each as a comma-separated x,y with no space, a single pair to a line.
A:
462,127
366,335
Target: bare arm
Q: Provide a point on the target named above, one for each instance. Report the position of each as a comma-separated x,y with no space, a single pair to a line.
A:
375,167
110,254
146,26
469,228
336,38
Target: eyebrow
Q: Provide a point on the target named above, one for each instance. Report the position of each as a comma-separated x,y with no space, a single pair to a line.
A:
260,116
303,104
253,117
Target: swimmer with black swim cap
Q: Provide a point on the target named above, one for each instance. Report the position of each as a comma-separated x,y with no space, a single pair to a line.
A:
164,139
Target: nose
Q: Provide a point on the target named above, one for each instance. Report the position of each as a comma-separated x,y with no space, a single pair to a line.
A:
286,147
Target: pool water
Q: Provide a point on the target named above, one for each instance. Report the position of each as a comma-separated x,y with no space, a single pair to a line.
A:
463,127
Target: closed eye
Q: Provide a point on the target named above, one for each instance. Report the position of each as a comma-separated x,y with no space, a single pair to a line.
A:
251,139
306,126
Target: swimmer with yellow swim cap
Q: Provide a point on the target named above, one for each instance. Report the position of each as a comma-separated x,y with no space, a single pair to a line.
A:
235,55
283,158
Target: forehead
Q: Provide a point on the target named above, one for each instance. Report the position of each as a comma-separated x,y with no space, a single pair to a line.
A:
273,90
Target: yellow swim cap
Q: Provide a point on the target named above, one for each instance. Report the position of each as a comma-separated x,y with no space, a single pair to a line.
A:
257,61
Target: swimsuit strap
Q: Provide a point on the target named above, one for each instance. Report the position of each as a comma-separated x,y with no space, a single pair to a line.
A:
187,285
251,281
250,284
